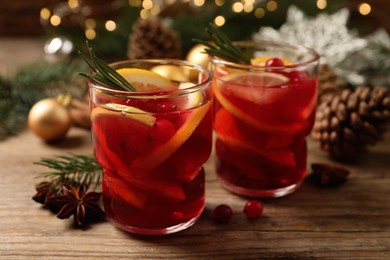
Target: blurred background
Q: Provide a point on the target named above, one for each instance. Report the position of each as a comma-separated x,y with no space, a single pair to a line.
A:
109,23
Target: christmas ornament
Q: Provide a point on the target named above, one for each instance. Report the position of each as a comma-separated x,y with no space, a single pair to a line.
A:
171,72
369,65
151,38
197,55
328,34
358,60
347,123
49,118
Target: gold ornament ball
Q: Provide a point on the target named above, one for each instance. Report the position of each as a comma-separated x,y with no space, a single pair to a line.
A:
49,119
197,56
171,72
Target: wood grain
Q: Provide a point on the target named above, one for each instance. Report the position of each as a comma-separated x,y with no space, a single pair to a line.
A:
349,222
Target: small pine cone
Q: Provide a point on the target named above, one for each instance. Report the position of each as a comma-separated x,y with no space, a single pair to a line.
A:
153,39
346,123
329,82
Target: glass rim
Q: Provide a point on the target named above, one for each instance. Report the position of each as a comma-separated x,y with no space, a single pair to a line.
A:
160,94
315,56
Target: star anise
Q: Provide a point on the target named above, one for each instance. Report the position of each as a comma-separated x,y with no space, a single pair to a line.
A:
46,195
80,203
325,175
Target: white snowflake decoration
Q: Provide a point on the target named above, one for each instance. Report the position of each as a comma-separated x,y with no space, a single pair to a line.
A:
327,34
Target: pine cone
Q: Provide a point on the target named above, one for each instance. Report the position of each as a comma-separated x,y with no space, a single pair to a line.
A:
347,123
329,82
153,39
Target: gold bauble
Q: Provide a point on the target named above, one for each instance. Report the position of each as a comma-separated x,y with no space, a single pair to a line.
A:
198,56
49,119
171,72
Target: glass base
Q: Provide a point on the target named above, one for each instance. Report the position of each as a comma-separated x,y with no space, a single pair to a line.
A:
257,193
157,231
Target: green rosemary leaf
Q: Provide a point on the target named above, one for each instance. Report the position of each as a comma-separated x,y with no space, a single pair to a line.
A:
87,61
109,73
104,74
223,48
115,76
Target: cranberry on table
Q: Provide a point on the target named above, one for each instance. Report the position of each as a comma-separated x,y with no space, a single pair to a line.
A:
222,213
253,209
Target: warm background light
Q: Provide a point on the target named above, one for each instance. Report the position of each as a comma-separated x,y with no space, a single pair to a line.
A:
364,8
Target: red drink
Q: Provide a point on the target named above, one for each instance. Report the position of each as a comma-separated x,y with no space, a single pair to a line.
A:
262,118
152,147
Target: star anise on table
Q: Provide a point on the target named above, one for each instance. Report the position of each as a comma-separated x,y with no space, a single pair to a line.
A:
46,194
325,175
80,203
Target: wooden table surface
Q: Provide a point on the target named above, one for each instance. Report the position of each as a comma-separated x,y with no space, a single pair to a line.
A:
352,221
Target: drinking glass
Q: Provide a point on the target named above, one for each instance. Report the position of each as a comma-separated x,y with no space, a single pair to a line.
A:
152,145
263,113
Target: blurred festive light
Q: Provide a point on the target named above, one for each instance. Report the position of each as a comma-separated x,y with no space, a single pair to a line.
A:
45,13
364,8
199,2
144,14
237,7
135,3
248,8
219,20
272,6
321,4
73,4
259,12
90,34
55,20
219,2
155,10
147,4
110,25
90,23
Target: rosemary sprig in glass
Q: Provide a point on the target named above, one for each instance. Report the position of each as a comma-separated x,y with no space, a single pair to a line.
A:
104,74
222,47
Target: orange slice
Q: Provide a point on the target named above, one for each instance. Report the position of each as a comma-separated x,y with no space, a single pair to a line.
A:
243,93
226,127
160,154
146,80
123,110
260,61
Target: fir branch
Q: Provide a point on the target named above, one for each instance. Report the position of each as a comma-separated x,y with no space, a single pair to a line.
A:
72,169
42,73
104,74
223,47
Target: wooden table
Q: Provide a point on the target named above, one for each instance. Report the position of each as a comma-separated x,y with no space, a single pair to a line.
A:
352,221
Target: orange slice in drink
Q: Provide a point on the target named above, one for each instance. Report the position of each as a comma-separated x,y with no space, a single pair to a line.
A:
161,153
251,88
146,80
123,110
227,129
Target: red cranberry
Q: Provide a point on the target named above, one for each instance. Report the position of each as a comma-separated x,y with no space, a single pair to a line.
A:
253,209
162,130
274,62
222,213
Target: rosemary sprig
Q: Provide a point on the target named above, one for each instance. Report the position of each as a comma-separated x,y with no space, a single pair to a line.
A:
72,169
223,47
104,74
